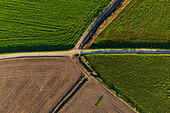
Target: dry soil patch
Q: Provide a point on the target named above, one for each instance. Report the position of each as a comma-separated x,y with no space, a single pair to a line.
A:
84,101
35,84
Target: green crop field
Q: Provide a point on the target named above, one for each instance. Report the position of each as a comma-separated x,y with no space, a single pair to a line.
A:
28,25
141,80
142,24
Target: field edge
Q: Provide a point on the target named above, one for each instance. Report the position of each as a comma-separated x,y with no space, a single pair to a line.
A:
89,68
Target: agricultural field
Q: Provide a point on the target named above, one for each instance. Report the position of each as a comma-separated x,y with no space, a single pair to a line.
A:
36,25
35,84
142,24
86,99
142,80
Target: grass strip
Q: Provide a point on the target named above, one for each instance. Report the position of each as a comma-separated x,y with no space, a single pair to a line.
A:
99,101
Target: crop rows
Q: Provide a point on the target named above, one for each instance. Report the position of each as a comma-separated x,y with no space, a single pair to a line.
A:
141,80
35,84
28,25
142,24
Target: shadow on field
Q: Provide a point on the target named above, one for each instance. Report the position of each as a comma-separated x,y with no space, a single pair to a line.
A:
35,48
79,83
112,44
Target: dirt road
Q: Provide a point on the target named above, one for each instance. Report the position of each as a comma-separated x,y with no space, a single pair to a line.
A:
137,51
93,27
86,98
77,50
35,84
80,52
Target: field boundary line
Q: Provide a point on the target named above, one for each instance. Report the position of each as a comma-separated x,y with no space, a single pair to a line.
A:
96,23
70,95
66,104
106,22
137,51
50,91
77,50
81,51
105,87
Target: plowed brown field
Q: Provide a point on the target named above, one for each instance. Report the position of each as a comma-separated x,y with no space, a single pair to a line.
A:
84,101
35,84
38,84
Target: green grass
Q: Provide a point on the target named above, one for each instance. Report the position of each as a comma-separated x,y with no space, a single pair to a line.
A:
143,81
35,25
142,24
99,101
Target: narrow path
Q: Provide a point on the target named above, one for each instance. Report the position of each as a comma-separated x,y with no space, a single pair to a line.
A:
137,51
90,31
93,27
80,52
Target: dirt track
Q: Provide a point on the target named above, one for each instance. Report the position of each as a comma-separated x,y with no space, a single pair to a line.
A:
137,51
93,27
38,84
35,84
86,98
80,52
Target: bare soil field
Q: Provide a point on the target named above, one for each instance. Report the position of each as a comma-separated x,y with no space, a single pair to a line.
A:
35,84
84,101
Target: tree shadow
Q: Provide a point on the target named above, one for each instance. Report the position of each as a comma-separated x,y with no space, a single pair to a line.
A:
112,44
35,48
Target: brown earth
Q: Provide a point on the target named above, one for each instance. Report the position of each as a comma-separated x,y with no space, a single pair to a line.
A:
38,85
84,101
35,84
